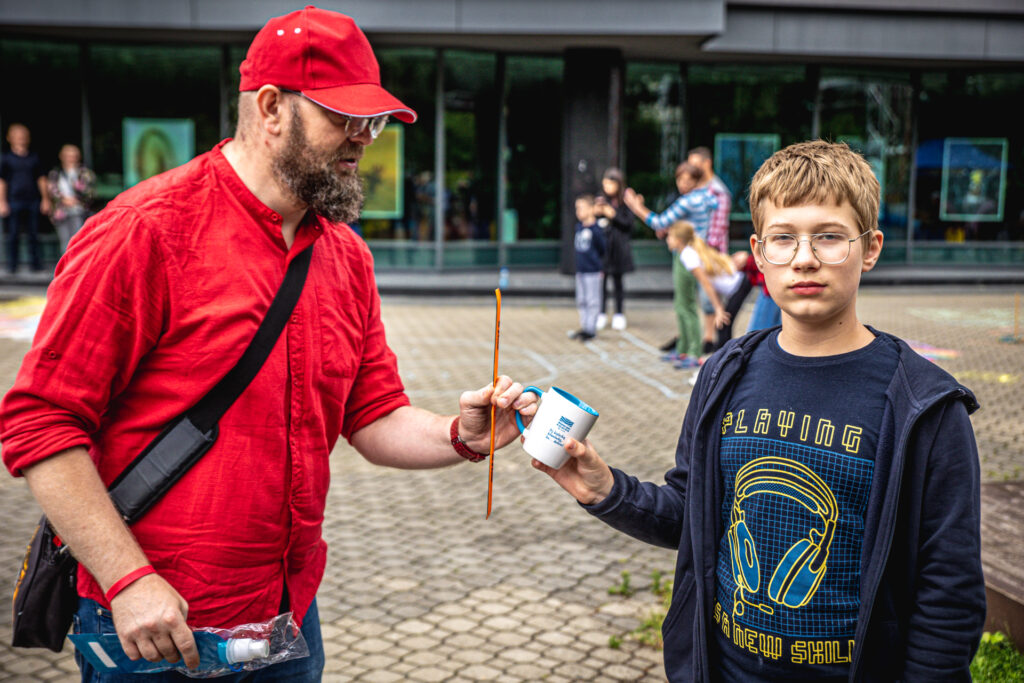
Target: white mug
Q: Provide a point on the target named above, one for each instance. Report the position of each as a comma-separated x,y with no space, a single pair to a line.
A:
559,416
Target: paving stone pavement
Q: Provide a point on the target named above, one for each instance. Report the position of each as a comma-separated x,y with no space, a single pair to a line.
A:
420,587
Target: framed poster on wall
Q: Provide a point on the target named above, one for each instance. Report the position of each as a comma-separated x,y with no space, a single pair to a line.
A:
381,170
152,146
973,179
737,158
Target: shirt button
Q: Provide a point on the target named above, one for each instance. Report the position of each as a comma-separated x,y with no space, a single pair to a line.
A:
295,320
297,381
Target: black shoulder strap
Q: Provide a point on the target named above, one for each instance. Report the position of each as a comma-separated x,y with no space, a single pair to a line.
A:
182,442
210,408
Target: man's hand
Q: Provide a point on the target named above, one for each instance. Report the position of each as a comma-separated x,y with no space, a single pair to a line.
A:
584,475
149,616
633,200
475,414
5,209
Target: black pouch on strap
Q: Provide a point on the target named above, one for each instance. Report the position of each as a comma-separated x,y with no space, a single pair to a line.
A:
45,595
164,461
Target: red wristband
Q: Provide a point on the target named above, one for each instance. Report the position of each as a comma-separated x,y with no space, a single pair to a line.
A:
127,580
460,446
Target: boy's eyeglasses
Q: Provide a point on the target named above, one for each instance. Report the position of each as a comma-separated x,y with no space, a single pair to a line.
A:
354,125
830,248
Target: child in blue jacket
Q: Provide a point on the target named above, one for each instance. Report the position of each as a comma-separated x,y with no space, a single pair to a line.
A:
825,500
589,243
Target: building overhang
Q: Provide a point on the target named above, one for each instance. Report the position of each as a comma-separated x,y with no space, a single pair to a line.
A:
913,32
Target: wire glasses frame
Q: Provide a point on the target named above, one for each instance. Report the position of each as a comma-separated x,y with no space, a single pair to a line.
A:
827,247
354,125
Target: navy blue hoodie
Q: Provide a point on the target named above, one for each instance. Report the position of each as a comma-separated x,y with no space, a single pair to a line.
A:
922,593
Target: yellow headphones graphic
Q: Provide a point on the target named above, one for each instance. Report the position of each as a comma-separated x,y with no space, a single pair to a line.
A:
799,573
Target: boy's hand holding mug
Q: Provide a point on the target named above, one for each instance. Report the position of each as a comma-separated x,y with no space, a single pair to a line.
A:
584,475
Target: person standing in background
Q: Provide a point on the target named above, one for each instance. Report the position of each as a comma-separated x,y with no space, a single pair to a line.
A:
718,231
616,220
590,251
22,195
71,187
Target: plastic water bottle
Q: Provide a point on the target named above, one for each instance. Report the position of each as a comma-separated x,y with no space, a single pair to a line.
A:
503,279
103,650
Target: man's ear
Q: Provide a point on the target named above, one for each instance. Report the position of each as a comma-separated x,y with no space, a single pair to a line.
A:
270,109
874,250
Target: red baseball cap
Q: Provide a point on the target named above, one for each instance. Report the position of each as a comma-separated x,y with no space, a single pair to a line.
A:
326,57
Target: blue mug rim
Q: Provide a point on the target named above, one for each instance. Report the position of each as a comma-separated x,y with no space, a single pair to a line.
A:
575,401
561,392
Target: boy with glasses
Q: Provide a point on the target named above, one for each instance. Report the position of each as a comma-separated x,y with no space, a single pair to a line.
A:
825,499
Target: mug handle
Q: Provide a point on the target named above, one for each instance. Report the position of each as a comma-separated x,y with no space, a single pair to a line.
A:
519,418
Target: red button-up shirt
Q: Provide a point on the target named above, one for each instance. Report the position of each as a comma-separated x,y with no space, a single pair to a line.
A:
154,302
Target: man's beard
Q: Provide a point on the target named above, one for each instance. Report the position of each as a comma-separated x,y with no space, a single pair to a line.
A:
313,177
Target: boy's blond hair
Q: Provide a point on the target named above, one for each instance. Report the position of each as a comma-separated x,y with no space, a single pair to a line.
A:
816,172
714,261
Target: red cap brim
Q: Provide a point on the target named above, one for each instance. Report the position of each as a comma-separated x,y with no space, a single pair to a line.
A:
363,100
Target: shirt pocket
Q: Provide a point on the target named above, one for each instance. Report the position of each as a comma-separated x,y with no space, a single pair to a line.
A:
341,343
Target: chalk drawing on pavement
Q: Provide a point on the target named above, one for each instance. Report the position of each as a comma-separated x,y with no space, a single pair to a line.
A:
986,376
19,318
984,317
933,353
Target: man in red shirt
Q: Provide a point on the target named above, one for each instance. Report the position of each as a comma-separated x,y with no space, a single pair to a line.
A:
155,301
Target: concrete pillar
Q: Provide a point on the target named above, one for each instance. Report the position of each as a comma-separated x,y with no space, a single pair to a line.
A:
592,130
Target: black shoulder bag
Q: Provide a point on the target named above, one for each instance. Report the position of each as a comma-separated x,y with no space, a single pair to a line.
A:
45,595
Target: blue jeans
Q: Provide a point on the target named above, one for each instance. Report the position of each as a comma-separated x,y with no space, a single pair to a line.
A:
92,618
23,215
766,314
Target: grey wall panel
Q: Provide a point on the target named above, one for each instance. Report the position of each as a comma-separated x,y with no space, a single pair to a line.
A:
567,17
574,17
106,13
750,31
1005,40
887,36
932,6
832,34
372,15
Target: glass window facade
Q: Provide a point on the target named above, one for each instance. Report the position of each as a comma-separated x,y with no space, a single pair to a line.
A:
654,116
533,148
742,113
944,143
149,82
872,112
969,196
411,75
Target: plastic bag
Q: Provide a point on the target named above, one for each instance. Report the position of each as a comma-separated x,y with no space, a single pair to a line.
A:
221,650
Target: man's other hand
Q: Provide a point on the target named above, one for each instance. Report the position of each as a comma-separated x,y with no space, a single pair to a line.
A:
149,616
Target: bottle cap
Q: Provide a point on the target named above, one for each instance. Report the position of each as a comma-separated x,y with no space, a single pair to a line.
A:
238,650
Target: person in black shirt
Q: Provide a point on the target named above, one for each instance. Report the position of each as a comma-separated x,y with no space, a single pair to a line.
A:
23,195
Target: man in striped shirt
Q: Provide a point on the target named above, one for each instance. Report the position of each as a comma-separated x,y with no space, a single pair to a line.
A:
718,233
695,204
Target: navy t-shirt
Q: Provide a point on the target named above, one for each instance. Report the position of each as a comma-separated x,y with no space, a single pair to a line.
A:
21,173
797,457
